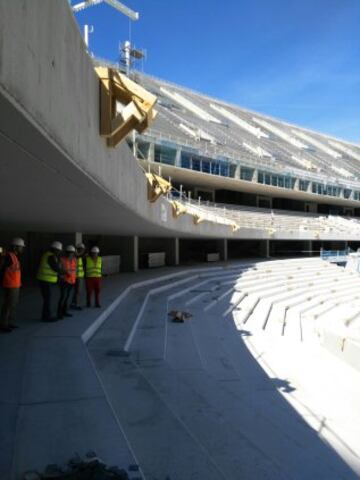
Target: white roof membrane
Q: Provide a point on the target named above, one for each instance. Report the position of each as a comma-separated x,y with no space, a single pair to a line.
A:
260,152
197,133
189,105
239,121
280,133
317,144
305,163
345,149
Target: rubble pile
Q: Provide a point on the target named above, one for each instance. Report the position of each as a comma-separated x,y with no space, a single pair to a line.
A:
91,467
178,316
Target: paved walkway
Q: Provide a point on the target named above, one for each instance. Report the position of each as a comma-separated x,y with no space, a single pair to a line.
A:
49,386
200,400
52,402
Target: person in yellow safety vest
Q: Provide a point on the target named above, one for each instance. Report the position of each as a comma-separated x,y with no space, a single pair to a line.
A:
66,281
11,282
80,274
93,274
48,275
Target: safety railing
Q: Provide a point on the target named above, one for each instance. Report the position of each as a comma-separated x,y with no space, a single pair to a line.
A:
335,256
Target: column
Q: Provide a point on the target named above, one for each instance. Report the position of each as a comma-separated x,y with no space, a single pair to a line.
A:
173,251
265,248
129,248
222,246
78,238
308,248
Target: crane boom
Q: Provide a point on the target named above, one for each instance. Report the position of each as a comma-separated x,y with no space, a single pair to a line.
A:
113,3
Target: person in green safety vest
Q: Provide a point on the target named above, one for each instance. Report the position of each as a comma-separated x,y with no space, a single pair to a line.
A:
93,274
80,274
48,276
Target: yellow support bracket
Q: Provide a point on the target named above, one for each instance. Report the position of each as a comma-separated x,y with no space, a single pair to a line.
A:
178,209
157,186
124,106
197,219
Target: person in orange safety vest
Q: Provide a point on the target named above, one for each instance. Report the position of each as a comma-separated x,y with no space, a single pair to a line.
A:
11,283
67,281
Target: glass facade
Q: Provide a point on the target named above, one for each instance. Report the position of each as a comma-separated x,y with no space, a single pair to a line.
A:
322,189
347,193
143,149
246,173
166,152
304,185
207,165
282,181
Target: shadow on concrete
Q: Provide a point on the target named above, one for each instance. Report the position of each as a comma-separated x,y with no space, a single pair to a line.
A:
207,406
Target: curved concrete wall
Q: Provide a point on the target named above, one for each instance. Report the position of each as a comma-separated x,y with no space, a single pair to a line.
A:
49,78
66,177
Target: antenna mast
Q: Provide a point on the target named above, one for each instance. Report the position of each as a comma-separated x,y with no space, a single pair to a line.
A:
129,56
87,30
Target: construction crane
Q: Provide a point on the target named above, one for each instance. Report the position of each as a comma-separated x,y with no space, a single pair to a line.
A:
113,3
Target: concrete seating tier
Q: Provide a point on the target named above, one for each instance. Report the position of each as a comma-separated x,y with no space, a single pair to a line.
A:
243,388
279,220
229,137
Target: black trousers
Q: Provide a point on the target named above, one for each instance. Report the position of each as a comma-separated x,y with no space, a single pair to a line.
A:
65,292
47,290
77,292
10,301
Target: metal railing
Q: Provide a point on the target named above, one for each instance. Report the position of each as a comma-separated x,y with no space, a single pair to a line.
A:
335,256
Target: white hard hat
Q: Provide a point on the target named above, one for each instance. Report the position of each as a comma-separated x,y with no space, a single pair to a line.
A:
80,245
18,242
70,248
57,246
95,250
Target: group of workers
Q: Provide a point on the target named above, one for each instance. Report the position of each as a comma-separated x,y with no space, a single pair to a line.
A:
63,269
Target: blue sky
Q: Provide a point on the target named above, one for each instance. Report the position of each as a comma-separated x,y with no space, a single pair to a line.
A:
297,60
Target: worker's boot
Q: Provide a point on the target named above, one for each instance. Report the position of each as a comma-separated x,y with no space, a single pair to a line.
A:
5,329
97,302
73,306
65,312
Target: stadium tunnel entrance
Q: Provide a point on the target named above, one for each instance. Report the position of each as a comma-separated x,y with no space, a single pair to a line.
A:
303,248
354,245
331,245
238,249
291,248
202,250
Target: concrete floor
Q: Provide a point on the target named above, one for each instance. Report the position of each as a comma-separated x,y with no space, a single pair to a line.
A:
205,400
49,386
201,400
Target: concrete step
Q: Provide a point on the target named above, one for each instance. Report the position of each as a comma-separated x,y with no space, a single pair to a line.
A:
197,381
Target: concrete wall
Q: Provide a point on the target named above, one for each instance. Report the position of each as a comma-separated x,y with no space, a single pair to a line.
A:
66,178
48,77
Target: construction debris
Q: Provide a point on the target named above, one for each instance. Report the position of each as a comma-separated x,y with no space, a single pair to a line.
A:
178,316
89,468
